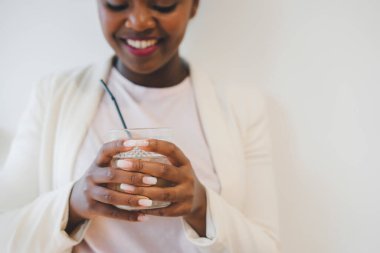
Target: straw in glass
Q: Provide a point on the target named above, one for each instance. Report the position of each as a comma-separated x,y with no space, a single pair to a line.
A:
115,102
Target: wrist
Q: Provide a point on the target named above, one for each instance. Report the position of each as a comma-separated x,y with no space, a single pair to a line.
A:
74,218
197,217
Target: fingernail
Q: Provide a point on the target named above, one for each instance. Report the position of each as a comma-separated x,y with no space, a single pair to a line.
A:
145,202
136,143
124,164
142,218
127,187
149,180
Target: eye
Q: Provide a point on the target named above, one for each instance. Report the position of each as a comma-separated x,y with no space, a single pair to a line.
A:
117,7
165,9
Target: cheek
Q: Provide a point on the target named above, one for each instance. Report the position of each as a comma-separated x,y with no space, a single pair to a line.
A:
109,23
176,29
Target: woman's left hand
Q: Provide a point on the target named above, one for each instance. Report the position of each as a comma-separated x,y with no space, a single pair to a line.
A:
187,195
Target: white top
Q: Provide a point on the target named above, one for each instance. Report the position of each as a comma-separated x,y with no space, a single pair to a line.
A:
143,107
62,108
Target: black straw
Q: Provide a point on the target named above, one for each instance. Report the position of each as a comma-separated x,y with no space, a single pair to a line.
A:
115,102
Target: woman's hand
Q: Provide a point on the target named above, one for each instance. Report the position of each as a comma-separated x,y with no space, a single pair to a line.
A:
187,195
90,196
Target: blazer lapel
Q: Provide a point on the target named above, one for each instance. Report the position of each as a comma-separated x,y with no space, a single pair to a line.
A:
218,136
79,111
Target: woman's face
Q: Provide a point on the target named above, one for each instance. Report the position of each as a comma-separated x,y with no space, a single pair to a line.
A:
145,34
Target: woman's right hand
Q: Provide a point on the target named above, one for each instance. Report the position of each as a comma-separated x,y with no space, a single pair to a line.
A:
90,196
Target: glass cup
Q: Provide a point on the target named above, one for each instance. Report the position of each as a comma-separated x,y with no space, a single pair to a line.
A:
137,153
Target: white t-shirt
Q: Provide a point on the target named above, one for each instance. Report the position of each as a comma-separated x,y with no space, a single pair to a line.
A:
143,107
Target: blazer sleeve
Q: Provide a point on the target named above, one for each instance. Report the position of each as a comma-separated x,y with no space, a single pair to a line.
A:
252,227
31,220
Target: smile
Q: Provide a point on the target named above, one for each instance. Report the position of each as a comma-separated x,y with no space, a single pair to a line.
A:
141,44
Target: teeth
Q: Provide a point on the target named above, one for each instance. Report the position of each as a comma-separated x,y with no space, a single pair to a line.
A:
141,44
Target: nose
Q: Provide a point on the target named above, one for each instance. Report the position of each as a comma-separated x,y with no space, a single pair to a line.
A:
140,18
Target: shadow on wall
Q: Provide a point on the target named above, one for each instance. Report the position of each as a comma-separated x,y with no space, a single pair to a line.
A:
5,141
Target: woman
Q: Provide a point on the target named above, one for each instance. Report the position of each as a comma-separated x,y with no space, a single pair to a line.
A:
222,198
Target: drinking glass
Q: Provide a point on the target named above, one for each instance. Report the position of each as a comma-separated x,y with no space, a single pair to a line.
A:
137,153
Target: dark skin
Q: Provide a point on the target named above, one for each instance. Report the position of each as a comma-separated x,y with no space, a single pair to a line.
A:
169,75
138,19
165,21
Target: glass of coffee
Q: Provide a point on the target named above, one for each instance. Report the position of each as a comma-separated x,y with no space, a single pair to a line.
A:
137,153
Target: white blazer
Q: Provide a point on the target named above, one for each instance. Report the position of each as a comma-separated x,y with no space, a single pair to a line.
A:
37,178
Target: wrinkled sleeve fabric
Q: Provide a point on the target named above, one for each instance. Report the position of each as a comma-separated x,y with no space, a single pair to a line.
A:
31,219
253,227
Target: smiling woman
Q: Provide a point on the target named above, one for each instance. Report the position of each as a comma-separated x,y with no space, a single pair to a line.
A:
219,193
148,40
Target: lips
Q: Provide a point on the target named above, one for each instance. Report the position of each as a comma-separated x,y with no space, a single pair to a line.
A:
141,46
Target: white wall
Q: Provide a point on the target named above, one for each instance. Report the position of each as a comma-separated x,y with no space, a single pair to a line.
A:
318,61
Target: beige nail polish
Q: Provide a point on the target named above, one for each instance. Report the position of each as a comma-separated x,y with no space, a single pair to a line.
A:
124,164
145,202
127,187
149,180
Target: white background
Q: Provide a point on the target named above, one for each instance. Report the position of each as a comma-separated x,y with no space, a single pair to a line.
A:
319,63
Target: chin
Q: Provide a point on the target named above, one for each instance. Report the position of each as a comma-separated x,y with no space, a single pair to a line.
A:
143,69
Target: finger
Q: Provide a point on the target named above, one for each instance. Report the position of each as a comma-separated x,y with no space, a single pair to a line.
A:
109,150
174,210
117,176
117,213
108,196
171,194
168,149
159,170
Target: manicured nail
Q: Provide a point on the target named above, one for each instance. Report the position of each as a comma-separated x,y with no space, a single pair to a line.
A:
124,164
142,218
127,187
149,180
136,143
145,202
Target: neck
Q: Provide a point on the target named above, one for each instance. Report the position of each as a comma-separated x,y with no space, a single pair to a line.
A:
172,73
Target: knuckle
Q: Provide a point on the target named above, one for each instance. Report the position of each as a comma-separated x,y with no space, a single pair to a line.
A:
167,196
98,162
139,165
131,201
101,154
164,169
113,213
110,173
172,148
133,178
140,191
108,197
